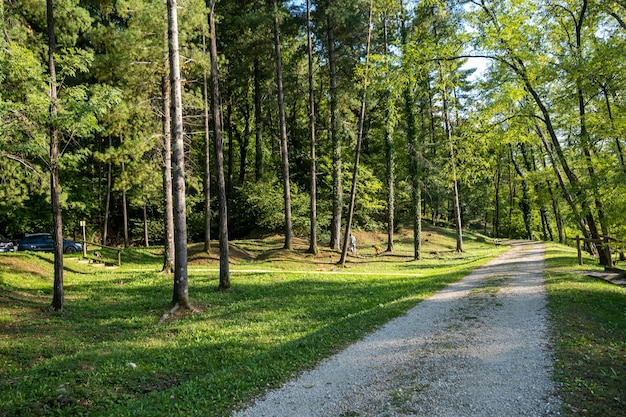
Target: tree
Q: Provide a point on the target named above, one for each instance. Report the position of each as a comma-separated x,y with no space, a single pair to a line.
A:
181,288
284,151
313,233
357,153
207,156
57,219
411,134
455,182
219,155
337,190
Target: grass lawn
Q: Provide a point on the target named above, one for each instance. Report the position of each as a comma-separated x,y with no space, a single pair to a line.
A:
107,355
588,319
286,312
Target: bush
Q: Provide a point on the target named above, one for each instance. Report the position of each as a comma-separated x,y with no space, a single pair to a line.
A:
260,207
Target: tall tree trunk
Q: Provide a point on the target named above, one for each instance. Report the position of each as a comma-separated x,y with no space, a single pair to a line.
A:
557,213
258,122
55,197
389,156
168,203
207,157
414,155
496,214
416,174
145,226
284,151
511,199
219,154
455,183
107,209
337,191
584,136
124,203
229,134
313,169
355,171
181,290
244,142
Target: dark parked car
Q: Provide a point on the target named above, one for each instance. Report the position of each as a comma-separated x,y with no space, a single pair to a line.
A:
42,242
6,245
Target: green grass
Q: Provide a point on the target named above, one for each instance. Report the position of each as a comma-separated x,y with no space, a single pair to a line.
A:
588,319
241,343
269,327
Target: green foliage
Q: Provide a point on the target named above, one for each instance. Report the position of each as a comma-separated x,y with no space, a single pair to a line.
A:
258,207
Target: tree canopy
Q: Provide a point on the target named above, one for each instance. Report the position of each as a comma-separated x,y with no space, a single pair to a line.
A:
529,145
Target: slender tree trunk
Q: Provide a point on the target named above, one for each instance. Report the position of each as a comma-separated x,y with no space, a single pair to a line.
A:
556,211
229,134
55,197
355,171
496,214
584,136
181,289
511,199
455,183
145,226
414,156
335,226
284,151
107,208
415,173
525,201
313,170
258,122
219,155
168,220
244,142
207,157
389,156
124,203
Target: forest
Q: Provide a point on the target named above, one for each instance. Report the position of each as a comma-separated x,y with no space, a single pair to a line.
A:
310,118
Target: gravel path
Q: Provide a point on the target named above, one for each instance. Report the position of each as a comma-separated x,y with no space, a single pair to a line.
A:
477,348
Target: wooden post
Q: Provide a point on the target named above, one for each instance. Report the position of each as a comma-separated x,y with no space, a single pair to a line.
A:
580,255
119,257
607,251
83,225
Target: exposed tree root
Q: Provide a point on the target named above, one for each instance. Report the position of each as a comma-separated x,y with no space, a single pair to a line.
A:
175,308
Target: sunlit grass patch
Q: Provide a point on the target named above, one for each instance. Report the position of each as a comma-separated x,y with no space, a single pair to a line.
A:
589,331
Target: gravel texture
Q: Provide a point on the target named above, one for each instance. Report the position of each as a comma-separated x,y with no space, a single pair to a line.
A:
477,348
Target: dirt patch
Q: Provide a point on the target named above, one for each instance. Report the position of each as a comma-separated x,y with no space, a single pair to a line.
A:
15,263
197,256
